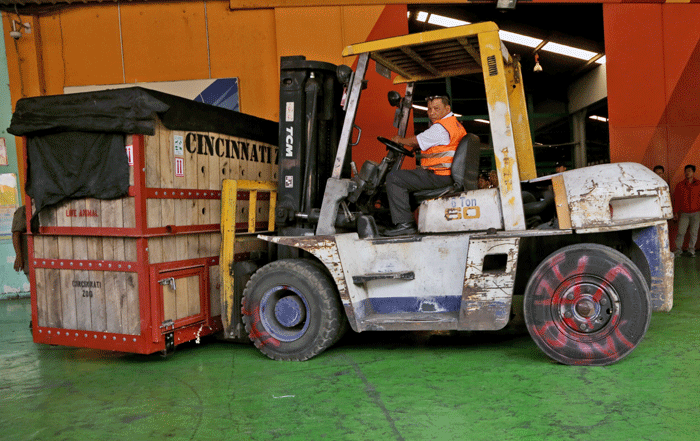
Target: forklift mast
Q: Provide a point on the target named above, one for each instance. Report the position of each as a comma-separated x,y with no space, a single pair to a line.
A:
311,118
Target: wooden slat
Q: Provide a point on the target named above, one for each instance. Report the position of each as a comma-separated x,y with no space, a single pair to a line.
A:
98,308
41,294
155,250
193,295
133,318
52,287
181,297
153,179
82,299
167,175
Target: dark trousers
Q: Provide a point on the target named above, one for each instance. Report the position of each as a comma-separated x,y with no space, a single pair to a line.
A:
401,182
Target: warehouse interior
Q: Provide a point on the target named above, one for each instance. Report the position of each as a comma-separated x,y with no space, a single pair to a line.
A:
625,99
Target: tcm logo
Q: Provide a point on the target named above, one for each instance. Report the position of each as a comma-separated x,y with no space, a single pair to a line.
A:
289,140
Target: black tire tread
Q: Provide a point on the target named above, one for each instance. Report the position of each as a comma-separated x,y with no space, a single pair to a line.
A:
613,255
327,296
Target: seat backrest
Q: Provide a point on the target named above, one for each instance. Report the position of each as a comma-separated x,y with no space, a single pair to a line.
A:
465,164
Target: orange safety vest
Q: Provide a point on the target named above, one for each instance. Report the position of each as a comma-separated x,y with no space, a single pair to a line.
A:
439,158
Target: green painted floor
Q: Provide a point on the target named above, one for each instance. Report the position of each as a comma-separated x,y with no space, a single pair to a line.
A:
370,386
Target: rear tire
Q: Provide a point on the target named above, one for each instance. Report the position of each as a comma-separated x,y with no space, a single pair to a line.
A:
291,310
587,304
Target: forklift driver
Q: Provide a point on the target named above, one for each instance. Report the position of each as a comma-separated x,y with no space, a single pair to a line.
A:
438,145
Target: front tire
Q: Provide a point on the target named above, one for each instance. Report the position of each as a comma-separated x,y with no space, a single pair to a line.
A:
291,310
587,304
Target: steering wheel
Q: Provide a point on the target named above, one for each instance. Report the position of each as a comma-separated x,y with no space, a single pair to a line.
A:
395,146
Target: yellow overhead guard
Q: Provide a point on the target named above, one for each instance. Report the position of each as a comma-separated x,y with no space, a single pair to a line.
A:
428,55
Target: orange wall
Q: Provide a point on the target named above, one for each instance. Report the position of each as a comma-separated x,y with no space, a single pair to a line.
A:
653,66
107,43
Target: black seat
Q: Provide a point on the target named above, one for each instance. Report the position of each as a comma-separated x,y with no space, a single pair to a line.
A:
465,170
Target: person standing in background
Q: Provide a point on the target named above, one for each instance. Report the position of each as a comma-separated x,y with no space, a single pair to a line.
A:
686,210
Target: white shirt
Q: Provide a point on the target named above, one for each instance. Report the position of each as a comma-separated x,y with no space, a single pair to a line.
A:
435,135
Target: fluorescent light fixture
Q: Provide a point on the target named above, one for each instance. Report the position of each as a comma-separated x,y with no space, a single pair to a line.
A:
416,106
598,118
482,121
447,22
408,14
458,115
601,60
422,16
568,51
524,40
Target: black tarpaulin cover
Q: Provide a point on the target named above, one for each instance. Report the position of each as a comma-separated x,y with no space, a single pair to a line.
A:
75,142
74,165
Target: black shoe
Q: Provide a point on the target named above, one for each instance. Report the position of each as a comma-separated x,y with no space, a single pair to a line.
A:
401,229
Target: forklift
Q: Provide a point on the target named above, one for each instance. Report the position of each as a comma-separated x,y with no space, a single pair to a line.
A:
588,249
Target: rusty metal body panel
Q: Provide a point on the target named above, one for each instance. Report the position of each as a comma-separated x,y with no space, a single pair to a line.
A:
653,241
409,283
611,195
488,287
468,211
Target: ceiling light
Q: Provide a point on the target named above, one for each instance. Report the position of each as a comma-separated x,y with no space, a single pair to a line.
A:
524,40
482,121
568,51
408,14
598,118
422,16
601,60
447,22
417,107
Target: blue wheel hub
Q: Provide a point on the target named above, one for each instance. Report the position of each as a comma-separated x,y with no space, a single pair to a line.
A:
290,311
284,313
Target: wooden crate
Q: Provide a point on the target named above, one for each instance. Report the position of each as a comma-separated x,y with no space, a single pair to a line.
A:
101,269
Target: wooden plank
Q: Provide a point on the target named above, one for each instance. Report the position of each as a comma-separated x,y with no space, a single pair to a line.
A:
215,248
214,291
181,297
191,205
68,304
132,320
193,295
152,152
153,180
167,176
129,212
155,250
92,213
113,318
203,205
180,182
54,310
81,275
41,296
52,288
98,308
130,250
65,251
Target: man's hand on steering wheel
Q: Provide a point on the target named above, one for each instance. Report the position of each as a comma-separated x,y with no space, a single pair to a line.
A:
397,147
